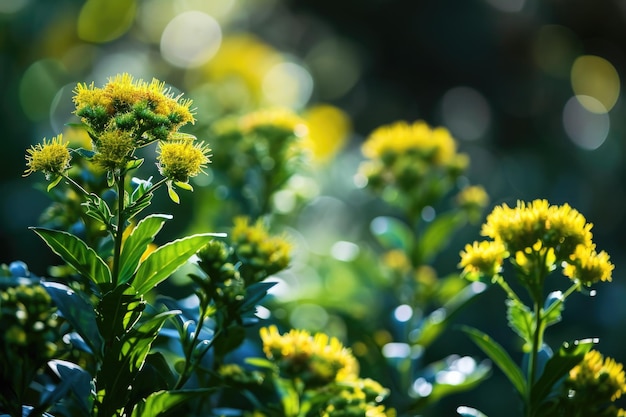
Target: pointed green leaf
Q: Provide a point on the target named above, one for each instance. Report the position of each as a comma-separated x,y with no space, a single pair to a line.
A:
500,357
182,136
438,234
79,314
160,402
392,233
137,242
520,319
437,321
76,254
172,193
85,153
184,185
54,182
558,366
164,261
125,357
134,164
467,374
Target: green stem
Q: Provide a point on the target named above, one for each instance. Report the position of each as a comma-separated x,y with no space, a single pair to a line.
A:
75,184
189,364
119,232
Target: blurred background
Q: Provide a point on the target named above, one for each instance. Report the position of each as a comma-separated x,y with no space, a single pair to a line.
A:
530,89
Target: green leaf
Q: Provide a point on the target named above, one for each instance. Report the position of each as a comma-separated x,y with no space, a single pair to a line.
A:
436,322
438,234
76,254
521,320
172,193
164,261
79,314
469,412
181,136
54,182
85,153
134,164
499,356
98,209
137,242
261,363
119,310
184,185
446,377
124,358
392,233
160,402
553,306
558,366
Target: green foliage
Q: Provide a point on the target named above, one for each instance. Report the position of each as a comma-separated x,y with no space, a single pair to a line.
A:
77,254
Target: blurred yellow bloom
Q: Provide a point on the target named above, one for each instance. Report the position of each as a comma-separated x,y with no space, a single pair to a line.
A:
473,196
588,266
243,59
597,377
317,360
280,118
50,157
182,159
483,258
400,137
329,129
254,243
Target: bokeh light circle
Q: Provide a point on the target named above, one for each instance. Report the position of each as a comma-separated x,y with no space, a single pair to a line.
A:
466,113
288,84
190,39
587,129
593,76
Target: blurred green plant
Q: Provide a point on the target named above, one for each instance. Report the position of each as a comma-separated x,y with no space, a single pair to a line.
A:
416,168
538,239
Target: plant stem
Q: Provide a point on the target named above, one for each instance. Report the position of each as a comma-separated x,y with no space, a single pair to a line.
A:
119,232
75,184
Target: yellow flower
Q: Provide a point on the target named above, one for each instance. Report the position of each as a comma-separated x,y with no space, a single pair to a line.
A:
114,149
146,108
280,118
588,266
401,137
559,227
182,159
483,258
50,157
329,128
473,197
599,378
317,360
254,243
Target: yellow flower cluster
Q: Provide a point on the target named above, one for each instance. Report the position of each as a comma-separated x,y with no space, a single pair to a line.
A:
275,118
401,137
539,235
315,360
123,93
50,157
252,242
483,257
600,378
359,398
180,160
411,164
